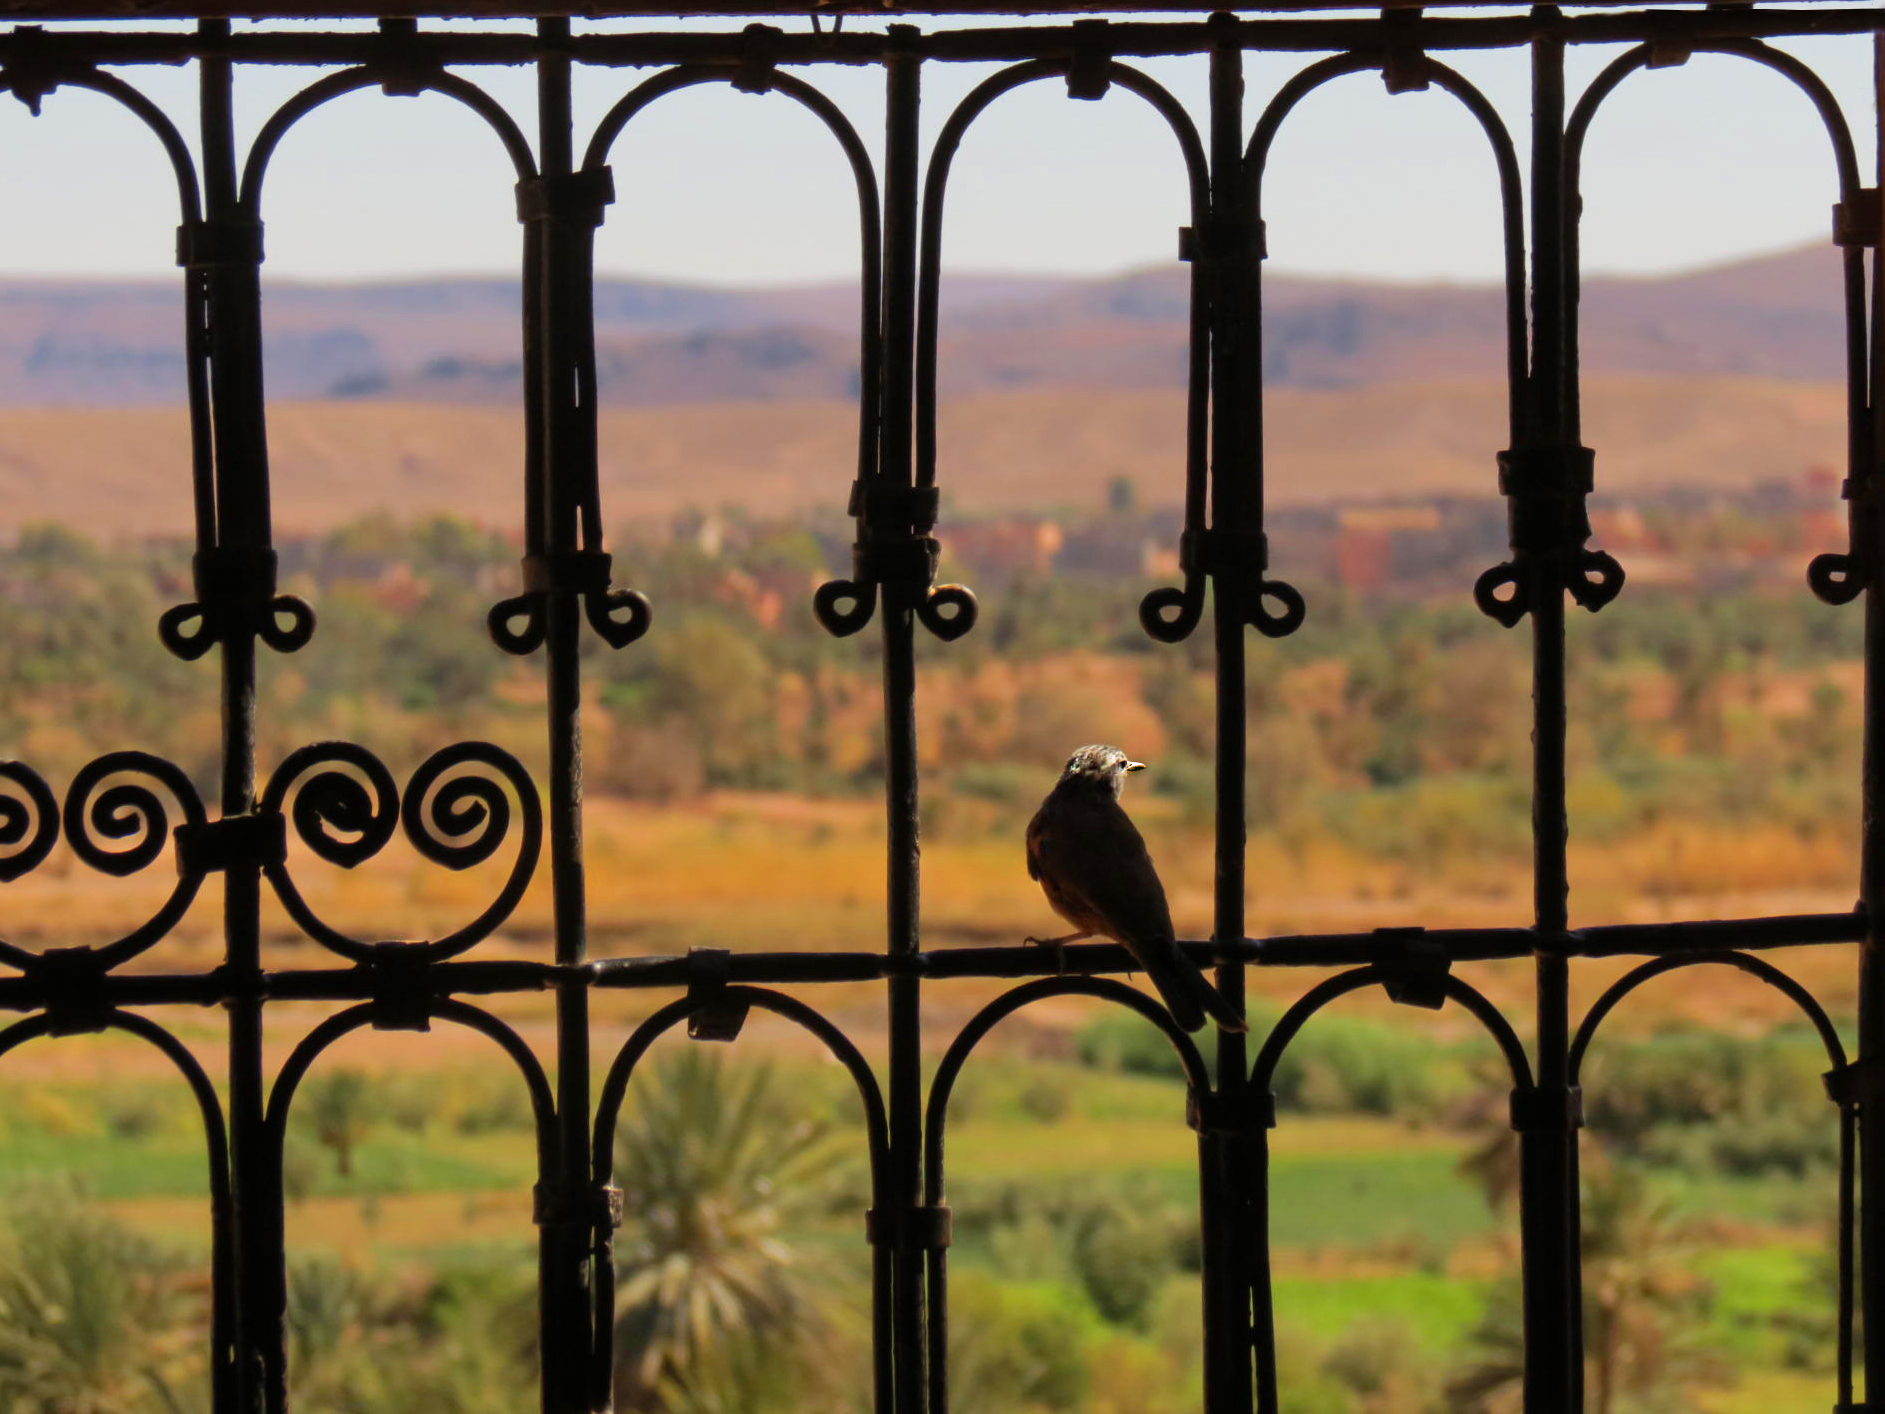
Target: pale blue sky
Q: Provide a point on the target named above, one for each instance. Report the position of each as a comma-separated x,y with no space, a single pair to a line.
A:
1686,167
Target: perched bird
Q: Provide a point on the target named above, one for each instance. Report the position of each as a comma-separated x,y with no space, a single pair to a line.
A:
1092,864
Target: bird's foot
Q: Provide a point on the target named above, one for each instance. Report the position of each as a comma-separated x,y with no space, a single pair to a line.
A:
1059,945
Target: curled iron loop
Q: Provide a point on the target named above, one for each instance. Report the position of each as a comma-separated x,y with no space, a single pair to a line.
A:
602,609
125,811
361,802
456,812
1595,579
293,635
1503,593
841,622
505,619
1280,622
1170,614
180,639
958,600
1506,608
188,631
1836,578
101,805
29,827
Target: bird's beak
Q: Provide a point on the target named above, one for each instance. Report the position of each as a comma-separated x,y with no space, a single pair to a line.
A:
1135,766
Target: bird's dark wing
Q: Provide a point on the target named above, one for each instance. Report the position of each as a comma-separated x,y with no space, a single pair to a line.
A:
1095,851
1035,827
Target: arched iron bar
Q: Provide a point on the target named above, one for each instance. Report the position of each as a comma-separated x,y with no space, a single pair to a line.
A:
1263,1070
295,1068
1189,601
936,1114
189,197
351,80
1511,190
190,208
1834,578
870,239
1753,966
1263,1082
877,1136
221,1203
1848,1114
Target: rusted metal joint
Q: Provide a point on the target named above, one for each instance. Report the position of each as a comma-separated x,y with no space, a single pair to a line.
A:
579,197
583,573
894,550
73,981
568,572
1405,67
1417,978
1243,556
236,841
579,1205
1546,489
402,987
1858,222
1230,1115
1222,240
918,1228
1855,1082
235,593
888,507
221,241
1839,577
759,59
405,67
31,71
1536,1109
715,1015
1090,66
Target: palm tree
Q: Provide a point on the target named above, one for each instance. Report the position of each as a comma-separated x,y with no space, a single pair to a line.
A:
717,1165
94,1319
1642,1307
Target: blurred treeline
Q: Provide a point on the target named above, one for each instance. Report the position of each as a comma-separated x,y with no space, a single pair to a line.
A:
1399,728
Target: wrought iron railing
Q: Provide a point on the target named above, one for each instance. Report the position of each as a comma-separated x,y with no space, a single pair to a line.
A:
127,810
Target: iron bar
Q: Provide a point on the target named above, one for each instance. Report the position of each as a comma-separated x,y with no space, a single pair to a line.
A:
1124,39
407,984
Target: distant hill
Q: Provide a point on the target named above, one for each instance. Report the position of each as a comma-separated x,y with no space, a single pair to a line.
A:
105,344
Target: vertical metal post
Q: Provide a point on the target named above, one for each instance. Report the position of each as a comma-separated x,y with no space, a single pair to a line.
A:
1869,548
569,1337
1229,1172
232,296
1549,1217
902,137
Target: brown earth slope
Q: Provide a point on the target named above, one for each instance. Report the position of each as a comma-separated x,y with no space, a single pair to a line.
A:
124,472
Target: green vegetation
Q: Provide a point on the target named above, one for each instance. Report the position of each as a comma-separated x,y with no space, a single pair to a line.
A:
1397,729
1073,1280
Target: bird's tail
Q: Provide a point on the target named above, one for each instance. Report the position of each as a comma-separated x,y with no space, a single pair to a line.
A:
1186,991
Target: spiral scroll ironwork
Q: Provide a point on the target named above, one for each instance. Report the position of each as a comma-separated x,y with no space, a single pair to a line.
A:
105,805
344,806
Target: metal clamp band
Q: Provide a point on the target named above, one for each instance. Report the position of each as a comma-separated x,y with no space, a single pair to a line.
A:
219,242
914,1229
74,982
1535,1109
568,572
578,196
216,846
576,1205
1858,222
716,1016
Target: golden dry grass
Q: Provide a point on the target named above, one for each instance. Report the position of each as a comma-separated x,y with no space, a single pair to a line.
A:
1008,451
